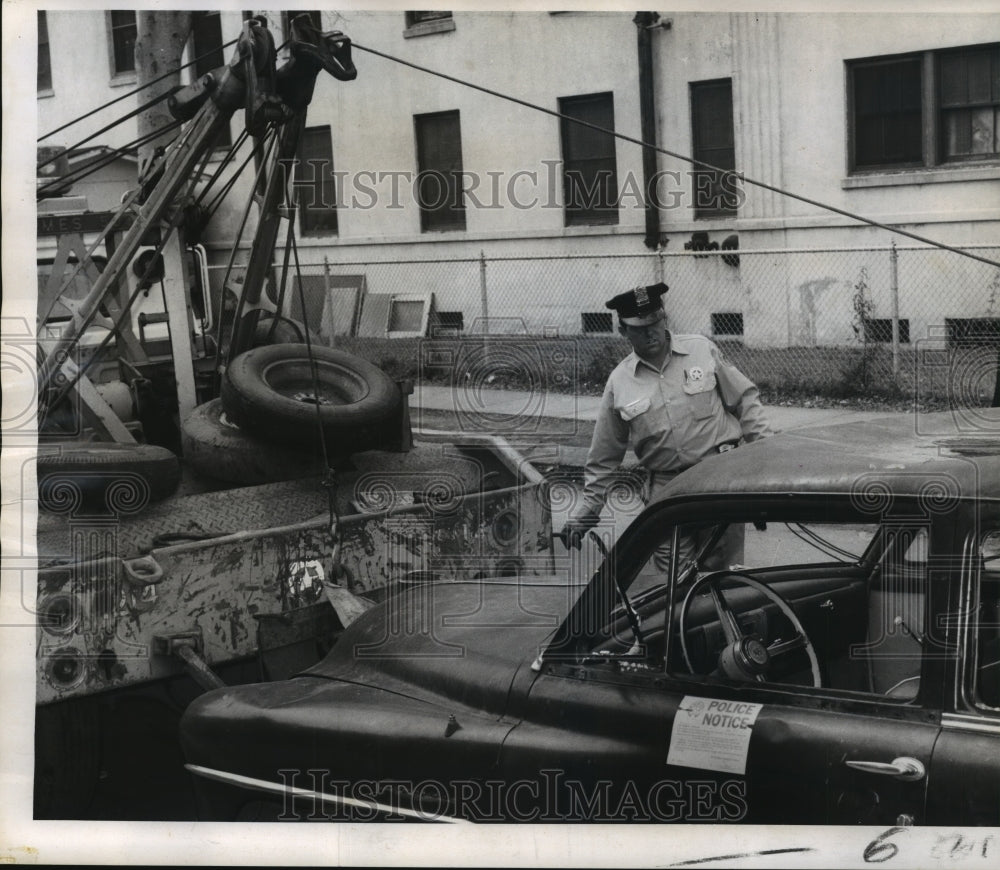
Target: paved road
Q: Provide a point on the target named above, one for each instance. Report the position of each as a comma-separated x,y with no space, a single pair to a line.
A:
517,404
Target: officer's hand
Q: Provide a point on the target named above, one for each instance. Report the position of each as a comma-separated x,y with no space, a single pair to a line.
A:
572,533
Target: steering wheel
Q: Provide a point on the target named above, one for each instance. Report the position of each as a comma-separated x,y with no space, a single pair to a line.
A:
745,657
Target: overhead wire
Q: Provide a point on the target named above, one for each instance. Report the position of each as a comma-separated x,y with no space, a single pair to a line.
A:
271,138
729,173
132,93
67,383
104,159
143,108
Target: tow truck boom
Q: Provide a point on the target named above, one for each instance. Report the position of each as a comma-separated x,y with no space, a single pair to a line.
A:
269,96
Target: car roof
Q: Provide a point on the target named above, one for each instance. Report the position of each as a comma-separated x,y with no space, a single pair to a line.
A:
945,454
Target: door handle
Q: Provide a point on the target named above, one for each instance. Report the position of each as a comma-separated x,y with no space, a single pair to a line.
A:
904,767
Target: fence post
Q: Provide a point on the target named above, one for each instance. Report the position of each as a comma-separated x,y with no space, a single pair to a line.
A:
482,293
894,291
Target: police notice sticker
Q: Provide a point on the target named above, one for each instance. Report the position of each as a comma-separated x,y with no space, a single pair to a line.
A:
712,735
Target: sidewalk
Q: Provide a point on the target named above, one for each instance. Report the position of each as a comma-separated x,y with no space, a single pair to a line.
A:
511,409
512,403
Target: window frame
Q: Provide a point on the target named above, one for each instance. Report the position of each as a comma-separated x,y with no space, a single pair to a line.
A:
718,318
932,127
451,217
596,323
120,75
580,633
307,215
878,330
425,300
448,323
427,22
591,215
225,138
968,697
707,154
44,55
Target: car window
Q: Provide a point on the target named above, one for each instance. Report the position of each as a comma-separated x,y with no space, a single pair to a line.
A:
986,625
836,606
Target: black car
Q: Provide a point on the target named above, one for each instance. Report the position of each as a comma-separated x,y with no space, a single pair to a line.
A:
846,671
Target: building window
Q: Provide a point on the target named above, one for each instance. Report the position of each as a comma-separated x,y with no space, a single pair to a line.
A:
727,323
315,184
590,174
969,91
44,61
887,126
448,322
206,37
970,331
595,321
426,22
439,171
715,193
879,329
925,109
123,35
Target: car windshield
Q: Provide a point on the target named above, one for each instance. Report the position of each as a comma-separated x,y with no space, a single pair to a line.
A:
837,605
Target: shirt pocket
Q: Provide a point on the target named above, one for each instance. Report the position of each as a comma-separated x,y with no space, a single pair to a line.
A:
700,395
633,409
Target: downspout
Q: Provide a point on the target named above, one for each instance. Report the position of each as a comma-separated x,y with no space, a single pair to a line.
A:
645,22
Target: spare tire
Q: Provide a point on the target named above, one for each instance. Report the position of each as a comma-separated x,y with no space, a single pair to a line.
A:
270,391
104,476
217,448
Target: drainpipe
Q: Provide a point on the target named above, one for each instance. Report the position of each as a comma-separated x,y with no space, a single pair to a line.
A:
646,22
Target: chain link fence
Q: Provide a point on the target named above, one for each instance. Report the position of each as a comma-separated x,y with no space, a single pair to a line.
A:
880,321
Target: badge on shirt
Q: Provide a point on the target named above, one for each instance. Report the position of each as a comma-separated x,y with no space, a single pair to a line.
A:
694,374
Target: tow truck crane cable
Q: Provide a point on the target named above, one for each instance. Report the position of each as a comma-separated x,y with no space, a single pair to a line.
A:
212,206
268,142
103,160
135,91
129,202
67,382
729,173
144,107
329,482
125,206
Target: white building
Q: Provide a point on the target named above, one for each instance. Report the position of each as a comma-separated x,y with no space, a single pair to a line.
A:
897,120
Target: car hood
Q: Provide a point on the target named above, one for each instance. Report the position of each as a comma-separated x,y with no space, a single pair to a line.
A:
456,642
380,702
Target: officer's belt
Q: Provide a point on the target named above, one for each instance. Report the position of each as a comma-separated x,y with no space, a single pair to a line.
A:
724,447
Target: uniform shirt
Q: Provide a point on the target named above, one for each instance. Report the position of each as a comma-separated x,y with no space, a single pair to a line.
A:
672,417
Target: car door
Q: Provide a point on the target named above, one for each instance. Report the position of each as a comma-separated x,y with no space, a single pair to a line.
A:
965,769
592,747
647,738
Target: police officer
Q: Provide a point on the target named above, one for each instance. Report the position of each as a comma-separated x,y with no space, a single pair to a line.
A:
675,400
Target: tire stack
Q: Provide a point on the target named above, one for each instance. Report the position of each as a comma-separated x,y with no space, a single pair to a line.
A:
281,403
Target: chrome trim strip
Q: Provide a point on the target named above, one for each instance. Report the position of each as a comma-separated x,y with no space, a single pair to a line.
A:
962,722
274,788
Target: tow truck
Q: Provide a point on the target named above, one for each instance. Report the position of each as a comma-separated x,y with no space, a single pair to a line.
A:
157,581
